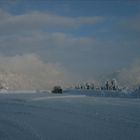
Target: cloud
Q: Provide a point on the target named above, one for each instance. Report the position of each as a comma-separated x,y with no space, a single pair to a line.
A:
132,23
127,77
3,15
30,72
38,20
131,76
35,41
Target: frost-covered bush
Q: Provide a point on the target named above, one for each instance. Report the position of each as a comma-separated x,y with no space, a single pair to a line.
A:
57,89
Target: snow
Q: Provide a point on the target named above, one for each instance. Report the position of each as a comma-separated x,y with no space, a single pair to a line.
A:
57,97
45,116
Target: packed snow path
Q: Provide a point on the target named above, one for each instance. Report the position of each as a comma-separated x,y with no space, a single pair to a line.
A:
68,117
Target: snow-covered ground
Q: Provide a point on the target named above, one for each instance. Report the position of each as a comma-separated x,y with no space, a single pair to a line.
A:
45,116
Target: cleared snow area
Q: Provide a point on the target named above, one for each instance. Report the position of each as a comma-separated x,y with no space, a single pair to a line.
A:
45,116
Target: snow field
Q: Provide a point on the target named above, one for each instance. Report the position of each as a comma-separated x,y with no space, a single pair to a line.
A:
46,116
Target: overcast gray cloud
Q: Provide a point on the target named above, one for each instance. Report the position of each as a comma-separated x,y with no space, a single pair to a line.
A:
30,72
132,23
38,20
42,41
3,15
128,77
